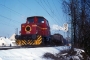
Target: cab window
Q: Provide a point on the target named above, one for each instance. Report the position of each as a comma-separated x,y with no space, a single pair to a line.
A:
40,20
30,20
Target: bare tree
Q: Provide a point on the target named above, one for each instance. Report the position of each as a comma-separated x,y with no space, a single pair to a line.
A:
80,22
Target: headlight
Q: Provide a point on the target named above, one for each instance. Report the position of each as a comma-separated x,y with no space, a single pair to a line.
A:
28,28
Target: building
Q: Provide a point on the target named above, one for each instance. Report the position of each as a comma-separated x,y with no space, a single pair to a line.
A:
5,42
2,42
12,39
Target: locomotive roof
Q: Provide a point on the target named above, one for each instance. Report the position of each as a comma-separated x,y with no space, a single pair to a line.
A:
35,16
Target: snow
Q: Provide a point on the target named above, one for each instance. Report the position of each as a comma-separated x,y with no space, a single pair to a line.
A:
77,55
2,42
12,37
79,51
6,41
29,53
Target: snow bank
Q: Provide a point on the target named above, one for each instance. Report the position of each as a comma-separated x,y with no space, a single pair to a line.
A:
29,53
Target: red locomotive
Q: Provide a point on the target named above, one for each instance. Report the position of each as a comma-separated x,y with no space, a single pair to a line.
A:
35,31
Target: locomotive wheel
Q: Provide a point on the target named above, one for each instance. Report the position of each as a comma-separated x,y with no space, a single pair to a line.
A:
24,42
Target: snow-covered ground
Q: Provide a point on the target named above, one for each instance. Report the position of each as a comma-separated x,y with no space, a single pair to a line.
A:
29,53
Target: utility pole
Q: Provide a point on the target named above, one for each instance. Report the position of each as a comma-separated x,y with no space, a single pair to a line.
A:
16,31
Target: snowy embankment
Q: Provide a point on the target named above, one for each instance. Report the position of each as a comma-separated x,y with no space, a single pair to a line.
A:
29,53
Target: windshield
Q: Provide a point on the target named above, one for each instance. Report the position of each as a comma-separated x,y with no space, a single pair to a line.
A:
30,20
40,19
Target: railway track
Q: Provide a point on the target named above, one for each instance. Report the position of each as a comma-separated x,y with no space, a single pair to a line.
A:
18,47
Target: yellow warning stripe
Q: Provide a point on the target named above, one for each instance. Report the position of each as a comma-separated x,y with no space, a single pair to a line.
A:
42,28
38,41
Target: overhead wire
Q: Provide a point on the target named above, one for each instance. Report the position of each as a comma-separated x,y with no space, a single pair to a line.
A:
48,5
48,13
52,11
8,18
39,4
11,10
46,10
26,6
56,9
7,24
62,7
43,7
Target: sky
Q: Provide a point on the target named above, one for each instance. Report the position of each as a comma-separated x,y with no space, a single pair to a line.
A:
14,12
